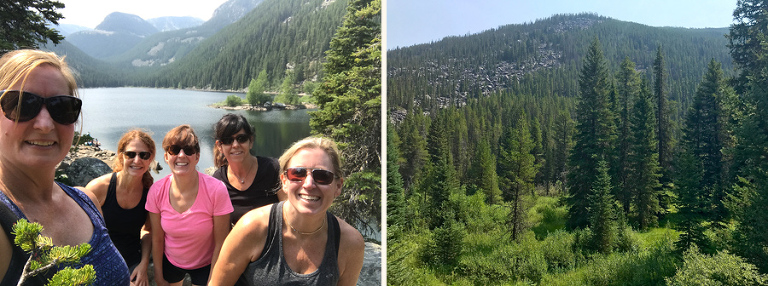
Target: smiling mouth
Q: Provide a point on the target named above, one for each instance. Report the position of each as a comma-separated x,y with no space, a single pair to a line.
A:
182,164
309,198
41,143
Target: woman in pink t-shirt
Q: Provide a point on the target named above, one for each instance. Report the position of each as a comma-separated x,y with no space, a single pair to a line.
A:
190,211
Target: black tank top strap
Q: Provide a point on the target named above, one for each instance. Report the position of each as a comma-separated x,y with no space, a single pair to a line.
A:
112,189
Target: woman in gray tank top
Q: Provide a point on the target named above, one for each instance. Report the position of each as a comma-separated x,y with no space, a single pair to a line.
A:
296,242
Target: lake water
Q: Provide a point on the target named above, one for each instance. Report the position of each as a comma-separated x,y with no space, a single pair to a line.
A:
110,112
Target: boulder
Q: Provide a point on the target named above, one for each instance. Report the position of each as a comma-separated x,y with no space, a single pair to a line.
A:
83,170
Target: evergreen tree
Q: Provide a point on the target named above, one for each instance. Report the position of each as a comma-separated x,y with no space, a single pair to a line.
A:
663,121
288,94
602,207
483,173
25,23
594,134
413,147
349,109
517,171
256,95
440,177
628,86
691,202
563,135
645,170
395,192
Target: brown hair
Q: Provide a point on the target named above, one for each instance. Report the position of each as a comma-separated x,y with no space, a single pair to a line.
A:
129,136
324,144
181,135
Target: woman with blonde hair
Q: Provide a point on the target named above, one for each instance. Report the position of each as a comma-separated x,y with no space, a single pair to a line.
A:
189,213
40,108
122,196
297,241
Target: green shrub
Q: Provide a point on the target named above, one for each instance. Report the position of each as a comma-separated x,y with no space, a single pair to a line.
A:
722,268
233,100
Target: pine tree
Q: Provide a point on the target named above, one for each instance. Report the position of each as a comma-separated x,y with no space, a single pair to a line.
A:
602,207
645,170
628,86
691,202
563,135
483,173
25,23
517,170
288,94
594,134
349,110
395,192
413,147
663,121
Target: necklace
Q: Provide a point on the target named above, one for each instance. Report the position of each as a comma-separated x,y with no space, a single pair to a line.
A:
242,181
307,233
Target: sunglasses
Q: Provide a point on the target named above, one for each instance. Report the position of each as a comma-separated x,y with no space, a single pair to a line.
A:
242,138
142,155
175,149
320,176
64,109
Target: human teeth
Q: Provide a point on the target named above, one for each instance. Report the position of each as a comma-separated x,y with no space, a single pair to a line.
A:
181,164
309,198
41,143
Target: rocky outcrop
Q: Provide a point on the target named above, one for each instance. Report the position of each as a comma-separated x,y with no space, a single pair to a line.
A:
83,170
86,163
370,275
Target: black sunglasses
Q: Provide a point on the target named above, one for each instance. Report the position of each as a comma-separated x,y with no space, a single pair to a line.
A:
320,176
142,155
63,109
175,149
242,138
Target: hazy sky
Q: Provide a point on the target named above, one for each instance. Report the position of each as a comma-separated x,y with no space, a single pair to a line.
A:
412,22
90,13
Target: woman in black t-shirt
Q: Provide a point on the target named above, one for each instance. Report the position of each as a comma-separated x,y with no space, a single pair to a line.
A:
252,181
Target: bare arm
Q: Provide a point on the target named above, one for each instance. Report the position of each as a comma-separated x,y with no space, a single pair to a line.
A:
220,230
97,190
158,246
243,244
351,254
5,254
139,276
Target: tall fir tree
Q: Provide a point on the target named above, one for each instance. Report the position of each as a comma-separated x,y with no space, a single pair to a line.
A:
483,173
692,203
595,132
26,23
644,164
563,130
413,147
602,207
349,110
517,170
663,121
627,88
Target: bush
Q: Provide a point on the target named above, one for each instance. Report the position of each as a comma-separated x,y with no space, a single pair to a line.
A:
233,100
722,268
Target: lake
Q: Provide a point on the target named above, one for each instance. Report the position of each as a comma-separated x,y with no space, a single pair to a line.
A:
110,112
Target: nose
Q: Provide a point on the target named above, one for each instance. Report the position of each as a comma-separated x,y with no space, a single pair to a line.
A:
308,181
43,120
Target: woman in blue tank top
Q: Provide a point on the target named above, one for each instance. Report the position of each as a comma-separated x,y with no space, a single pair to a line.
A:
122,196
296,242
39,104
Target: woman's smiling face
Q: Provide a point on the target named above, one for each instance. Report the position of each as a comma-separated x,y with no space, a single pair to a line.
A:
307,196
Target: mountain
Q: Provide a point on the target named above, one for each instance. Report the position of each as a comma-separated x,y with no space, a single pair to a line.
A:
275,36
68,29
115,35
543,58
165,24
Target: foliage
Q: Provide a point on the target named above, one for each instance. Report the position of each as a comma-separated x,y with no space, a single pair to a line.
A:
233,100
25,23
44,257
255,94
602,212
288,93
349,110
644,163
722,268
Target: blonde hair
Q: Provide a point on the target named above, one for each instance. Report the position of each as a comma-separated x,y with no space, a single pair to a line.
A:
129,136
15,67
325,144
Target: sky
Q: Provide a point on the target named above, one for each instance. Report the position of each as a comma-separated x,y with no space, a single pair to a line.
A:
90,13
410,22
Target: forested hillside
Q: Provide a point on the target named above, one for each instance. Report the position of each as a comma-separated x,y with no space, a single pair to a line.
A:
276,36
580,150
543,58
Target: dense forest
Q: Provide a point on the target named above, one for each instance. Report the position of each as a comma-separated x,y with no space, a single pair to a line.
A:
581,150
277,37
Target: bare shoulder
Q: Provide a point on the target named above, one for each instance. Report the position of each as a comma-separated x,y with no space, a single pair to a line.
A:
351,239
250,232
97,188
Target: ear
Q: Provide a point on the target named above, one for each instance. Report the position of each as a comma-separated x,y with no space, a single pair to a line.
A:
167,157
339,184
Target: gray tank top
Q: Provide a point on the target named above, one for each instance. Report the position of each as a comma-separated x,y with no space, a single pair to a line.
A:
271,268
